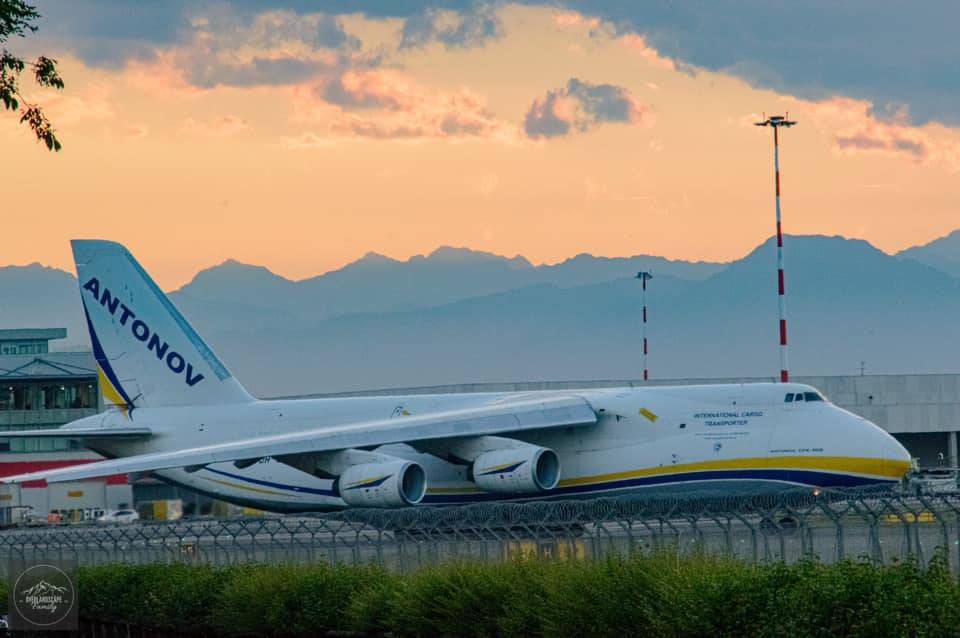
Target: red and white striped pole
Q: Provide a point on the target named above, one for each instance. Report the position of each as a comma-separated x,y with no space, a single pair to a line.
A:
644,277
775,122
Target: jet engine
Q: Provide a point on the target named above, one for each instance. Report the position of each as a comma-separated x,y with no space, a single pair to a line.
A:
393,484
527,469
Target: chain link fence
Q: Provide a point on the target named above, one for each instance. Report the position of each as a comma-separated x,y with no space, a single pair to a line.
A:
830,525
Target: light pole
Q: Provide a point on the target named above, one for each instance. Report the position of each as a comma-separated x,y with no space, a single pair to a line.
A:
776,122
644,276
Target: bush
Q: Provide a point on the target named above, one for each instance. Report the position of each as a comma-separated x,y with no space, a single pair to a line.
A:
300,600
651,595
164,596
471,599
371,607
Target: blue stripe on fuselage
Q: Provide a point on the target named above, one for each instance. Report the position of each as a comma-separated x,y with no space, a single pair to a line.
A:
800,477
292,488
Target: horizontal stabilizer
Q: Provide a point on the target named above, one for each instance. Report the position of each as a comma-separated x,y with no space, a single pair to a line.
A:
78,433
507,418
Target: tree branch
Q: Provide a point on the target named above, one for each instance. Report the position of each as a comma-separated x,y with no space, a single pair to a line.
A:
17,18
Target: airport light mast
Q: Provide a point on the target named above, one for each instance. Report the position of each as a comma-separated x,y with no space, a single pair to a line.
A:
644,277
776,122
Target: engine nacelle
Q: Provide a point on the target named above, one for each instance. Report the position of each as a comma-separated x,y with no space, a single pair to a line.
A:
519,470
394,484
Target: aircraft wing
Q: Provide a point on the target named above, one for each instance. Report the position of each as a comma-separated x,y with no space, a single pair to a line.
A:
503,419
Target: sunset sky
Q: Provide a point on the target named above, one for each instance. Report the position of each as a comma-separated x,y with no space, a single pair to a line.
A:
301,135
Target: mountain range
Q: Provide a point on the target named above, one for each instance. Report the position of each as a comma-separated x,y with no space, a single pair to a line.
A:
942,253
457,316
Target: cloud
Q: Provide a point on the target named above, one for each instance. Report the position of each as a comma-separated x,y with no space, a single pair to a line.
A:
136,131
272,29
223,126
573,19
580,106
874,51
883,140
104,33
468,27
856,129
409,110
65,109
207,44
365,89
252,72
639,44
112,33
90,107
273,48
307,140
390,104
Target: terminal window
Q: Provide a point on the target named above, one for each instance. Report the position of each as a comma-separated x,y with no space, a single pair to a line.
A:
48,395
24,348
36,444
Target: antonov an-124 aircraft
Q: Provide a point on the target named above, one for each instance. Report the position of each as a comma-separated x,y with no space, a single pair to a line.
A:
179,414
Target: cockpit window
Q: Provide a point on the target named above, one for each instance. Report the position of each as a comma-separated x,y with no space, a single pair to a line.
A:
797,397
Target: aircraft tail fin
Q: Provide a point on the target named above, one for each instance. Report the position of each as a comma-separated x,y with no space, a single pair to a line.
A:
147,354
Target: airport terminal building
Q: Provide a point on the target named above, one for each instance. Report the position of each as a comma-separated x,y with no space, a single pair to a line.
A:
43,389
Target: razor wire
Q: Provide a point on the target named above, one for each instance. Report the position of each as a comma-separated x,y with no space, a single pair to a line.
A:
881,526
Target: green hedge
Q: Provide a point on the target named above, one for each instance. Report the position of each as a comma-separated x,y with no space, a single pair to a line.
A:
650,595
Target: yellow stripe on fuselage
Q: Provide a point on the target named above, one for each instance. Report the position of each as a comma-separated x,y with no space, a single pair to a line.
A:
248,488
885,468
839,464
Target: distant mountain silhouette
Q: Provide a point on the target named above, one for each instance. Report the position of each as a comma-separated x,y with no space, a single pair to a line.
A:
942,253
463,316
254,297
36,296
376,283
847,302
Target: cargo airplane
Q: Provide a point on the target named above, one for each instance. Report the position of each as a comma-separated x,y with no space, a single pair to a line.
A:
180,415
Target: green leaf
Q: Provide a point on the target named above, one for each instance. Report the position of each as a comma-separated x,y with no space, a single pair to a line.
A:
45,71
10,61
16,17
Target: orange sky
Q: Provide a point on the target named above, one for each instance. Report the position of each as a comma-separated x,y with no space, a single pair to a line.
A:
433,151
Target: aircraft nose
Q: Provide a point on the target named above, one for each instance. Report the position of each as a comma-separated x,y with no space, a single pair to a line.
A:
896,458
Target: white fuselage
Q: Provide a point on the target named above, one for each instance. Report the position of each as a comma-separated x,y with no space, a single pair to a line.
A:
723,437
